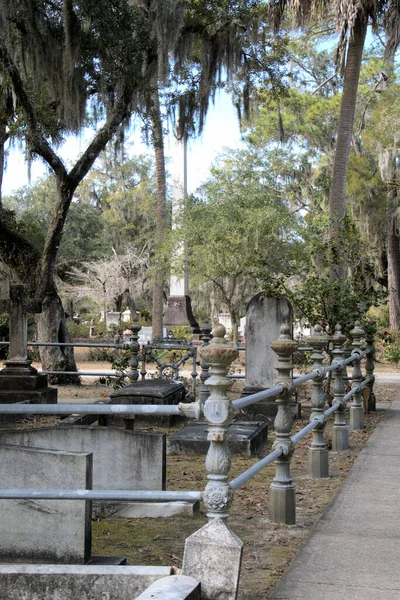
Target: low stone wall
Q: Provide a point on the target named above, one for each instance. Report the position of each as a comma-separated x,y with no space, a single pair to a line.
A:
83,582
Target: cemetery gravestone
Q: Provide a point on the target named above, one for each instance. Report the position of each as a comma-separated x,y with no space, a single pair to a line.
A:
53,531
122,459
264,317
19,381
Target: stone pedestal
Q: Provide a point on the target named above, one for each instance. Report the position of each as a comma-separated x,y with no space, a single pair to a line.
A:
19,381
318,465
179,312
23,383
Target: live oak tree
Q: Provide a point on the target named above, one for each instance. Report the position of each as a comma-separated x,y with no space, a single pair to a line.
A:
63,60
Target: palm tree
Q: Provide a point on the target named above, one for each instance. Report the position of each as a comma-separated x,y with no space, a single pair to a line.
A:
201,38
352,18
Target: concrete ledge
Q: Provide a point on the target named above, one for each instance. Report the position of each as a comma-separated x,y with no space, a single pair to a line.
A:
70,582
157,510
175,587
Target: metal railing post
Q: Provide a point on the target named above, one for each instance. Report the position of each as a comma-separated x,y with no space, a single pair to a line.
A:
369,370
340,431
282,500
204,375
135,348
357,408
218,494
318,465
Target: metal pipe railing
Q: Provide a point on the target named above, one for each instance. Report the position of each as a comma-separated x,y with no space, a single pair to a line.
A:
267,460
246,475
108,495
92,409
124,346
278,389
257,397
87,373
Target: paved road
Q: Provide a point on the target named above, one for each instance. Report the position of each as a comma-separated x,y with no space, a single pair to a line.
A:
388,377
353,552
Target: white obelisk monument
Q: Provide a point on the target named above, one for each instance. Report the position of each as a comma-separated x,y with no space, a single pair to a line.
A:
179,307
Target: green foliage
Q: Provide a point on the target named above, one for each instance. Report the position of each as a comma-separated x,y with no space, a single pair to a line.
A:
392,353
122,192
239,224
101,354
83,237
181,332
78,330
319,300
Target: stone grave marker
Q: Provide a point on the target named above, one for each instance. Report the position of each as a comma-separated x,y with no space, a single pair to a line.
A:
19,380
245,438
122,459
264,317
51,531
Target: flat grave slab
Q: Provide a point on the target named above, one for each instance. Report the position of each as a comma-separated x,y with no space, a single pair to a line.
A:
152,391
245,438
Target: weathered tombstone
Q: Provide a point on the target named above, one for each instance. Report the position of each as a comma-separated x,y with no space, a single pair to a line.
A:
244,438
113,318
213,555
264,317
53,531
19,380
122,459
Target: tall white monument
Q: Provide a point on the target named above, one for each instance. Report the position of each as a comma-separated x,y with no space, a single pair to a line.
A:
179,306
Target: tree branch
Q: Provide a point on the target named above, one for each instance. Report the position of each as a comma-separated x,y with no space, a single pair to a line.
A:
36,140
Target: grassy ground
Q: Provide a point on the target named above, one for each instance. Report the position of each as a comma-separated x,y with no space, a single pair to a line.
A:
268,548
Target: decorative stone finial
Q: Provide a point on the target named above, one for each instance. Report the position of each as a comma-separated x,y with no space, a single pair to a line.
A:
219,353
219,331
339,338
284,345
319,339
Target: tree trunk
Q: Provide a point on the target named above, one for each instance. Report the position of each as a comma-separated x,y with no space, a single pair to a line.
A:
393,261
161,190
52,326
235,326
3,137
337,201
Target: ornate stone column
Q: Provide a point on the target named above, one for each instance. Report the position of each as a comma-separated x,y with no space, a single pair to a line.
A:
369,370
206,336
219,354
340,431
282,500
317,453
357,408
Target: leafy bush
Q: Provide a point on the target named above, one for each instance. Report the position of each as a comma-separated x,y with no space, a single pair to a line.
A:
392,353
101,354
78,330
